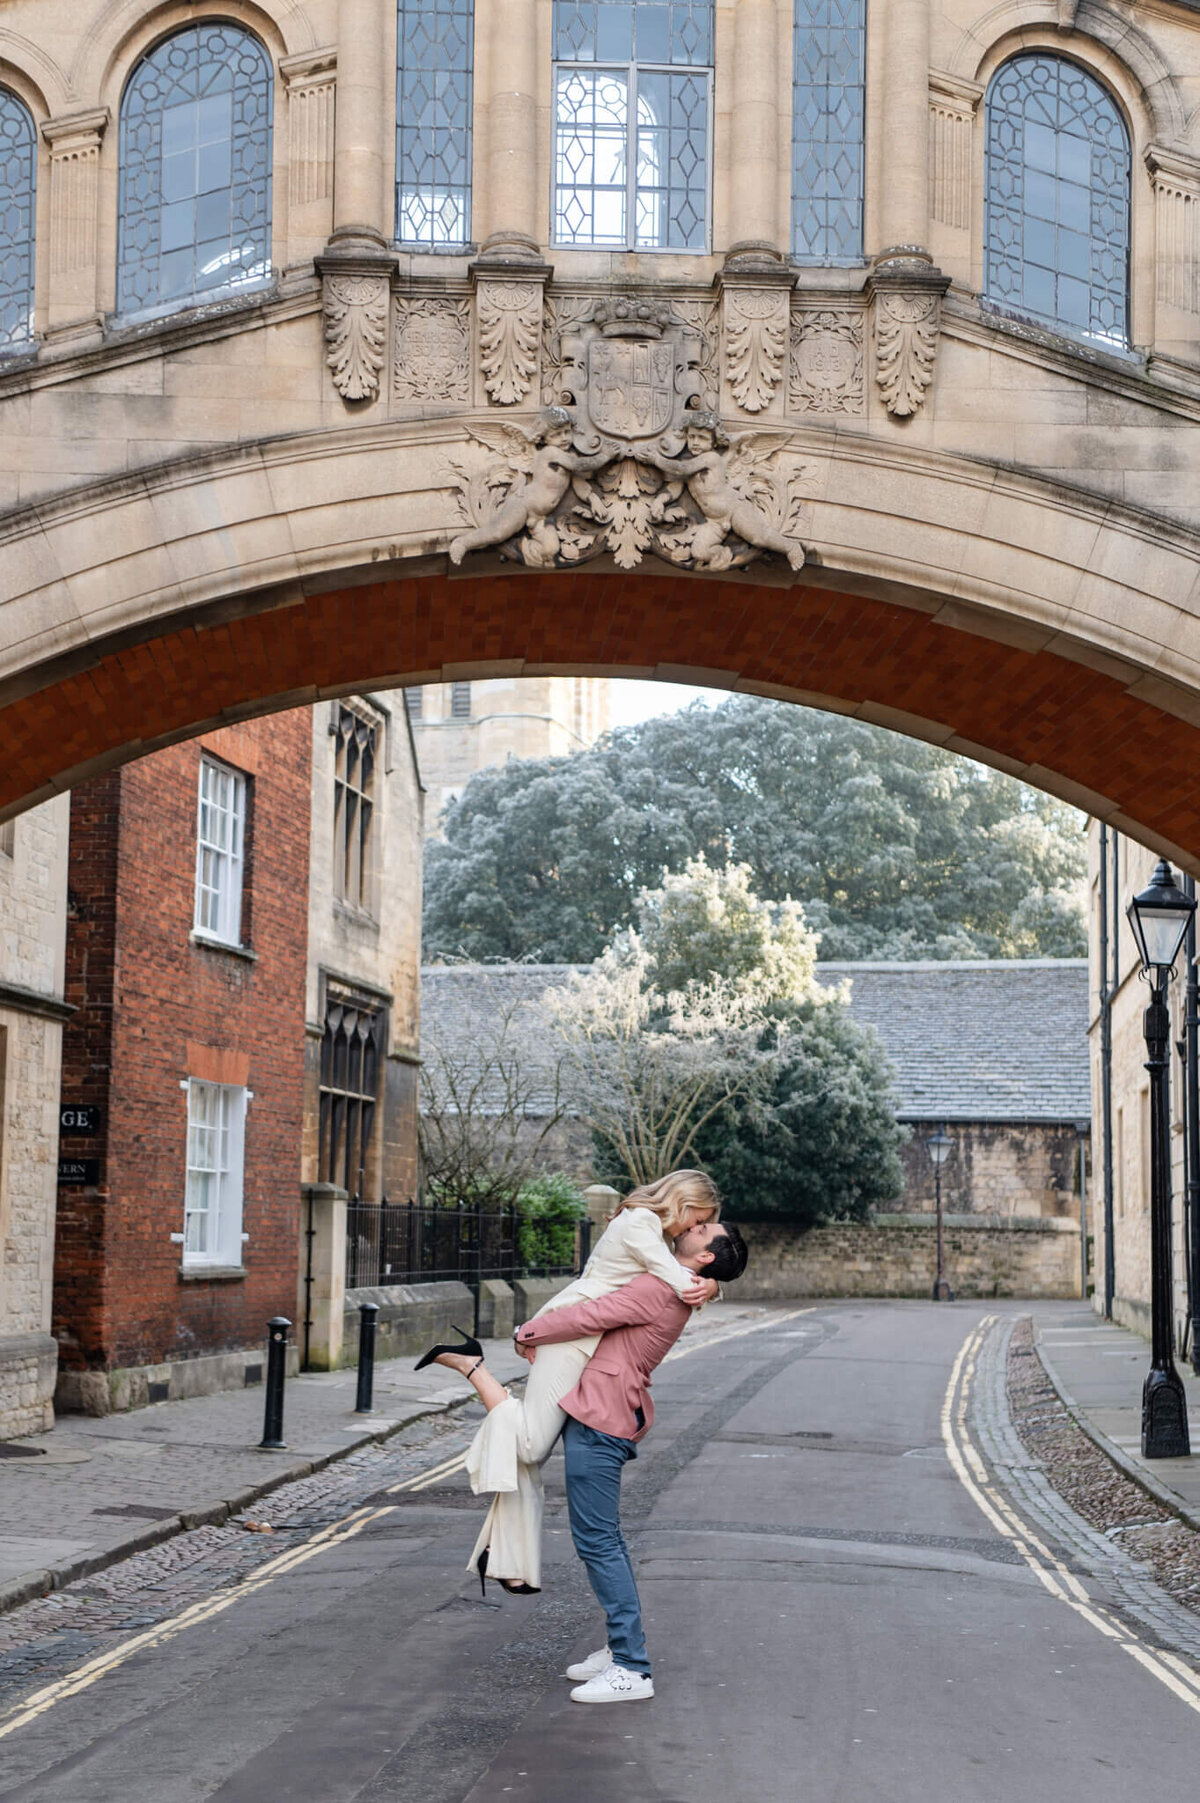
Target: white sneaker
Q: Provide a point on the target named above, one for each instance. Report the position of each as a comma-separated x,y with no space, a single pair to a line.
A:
591,1667
616,1685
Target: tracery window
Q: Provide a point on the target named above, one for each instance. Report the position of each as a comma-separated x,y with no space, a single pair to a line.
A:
433,121
351,1067
828,110
632,109
195,186
356,749
18,187
1058,182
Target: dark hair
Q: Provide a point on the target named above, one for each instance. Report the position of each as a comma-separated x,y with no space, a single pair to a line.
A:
729,1254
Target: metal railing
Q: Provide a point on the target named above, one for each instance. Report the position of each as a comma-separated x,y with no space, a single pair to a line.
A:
410,1242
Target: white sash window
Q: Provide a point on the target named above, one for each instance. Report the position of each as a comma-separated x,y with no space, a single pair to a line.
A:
216,1132
220,839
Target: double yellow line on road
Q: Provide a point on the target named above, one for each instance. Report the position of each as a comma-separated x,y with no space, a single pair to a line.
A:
1049,1570
323,1541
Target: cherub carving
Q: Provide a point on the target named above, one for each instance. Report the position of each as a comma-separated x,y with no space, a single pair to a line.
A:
713,474
545,461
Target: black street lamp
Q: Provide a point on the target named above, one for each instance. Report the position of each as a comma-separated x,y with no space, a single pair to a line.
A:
940,1147
1159,918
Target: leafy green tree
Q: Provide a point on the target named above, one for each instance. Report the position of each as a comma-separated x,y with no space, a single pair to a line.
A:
549,1210
703,1036
894,848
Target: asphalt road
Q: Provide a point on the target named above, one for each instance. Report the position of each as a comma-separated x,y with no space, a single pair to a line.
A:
830,1615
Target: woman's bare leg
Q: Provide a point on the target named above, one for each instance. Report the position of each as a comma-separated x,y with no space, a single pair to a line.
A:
490,1390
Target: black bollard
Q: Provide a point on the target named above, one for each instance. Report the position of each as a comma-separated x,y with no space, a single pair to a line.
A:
367,1311
277,1334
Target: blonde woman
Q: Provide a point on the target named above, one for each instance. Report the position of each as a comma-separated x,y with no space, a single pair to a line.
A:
507,1453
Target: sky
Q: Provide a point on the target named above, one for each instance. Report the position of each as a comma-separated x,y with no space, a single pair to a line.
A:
634,701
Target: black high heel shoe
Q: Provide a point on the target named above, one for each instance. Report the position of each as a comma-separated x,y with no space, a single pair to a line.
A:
470,1349
512,1585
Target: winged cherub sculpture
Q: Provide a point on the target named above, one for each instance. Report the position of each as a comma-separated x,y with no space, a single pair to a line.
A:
713,474
538,469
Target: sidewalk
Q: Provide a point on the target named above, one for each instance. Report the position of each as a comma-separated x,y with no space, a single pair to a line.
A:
1098,1370
95,1490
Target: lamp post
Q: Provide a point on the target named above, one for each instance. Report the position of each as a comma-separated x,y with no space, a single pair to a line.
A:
940,1147
1159,918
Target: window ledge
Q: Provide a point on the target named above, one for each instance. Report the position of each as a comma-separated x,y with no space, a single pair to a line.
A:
211,1273
361,917
211,944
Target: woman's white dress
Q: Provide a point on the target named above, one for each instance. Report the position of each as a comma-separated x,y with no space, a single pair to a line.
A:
507,1453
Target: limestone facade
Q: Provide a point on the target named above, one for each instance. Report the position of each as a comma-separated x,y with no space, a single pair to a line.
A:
33,920
252,493
463,727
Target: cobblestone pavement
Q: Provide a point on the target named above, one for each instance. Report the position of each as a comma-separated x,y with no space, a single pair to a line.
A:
1109,1530
45,1638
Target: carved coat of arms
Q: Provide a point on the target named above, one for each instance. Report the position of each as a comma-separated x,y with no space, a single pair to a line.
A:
629,462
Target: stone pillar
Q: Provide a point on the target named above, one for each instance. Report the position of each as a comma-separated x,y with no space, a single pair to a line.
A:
754,196
904,203
755,288
309,81
601,1200
510,175
360,217
74,204
323,1210
1176,180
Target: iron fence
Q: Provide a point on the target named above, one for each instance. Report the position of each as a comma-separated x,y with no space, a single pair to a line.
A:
410,1242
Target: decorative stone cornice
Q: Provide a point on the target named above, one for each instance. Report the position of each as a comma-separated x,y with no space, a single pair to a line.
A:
755,289
508,322
356,287
1179,168
317,67
31,1001
906,293
87,127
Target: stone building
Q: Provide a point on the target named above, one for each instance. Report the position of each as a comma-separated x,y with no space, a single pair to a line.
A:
348,346
242,957
461,727
994,1051
1121,1093
33,916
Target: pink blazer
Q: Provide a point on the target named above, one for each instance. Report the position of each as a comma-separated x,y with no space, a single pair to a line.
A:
640,1323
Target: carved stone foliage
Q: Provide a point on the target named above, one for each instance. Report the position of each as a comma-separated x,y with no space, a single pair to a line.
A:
431,357
906,339
510,324
826,364
356,317
756,336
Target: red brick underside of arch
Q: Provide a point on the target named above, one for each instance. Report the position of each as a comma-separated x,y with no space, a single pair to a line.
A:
1034,707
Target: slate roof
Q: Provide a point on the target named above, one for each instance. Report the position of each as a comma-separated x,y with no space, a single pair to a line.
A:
970,1040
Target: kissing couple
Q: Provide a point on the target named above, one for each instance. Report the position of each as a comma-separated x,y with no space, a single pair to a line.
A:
592,1349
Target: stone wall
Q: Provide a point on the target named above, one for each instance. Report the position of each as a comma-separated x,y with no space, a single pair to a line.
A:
997,1167
33,907
897,1256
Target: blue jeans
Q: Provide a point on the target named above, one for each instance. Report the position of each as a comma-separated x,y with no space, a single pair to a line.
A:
594,1465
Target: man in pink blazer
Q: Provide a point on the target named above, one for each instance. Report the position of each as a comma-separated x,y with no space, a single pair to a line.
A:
607,1412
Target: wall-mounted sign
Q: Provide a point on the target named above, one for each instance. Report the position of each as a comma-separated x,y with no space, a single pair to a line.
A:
78,1170
79,1117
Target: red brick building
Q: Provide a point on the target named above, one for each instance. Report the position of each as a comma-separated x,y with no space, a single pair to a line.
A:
186,962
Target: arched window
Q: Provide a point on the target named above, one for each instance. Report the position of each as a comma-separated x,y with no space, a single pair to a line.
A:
195,195
18,188
828,109
632,98
433,121
1057,227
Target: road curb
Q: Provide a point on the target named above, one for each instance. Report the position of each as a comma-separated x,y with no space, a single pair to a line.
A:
42,1581
1143,1479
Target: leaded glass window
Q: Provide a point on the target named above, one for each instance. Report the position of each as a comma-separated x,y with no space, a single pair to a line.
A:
1058,178
632,103
828,64
433,121
18,189
195,189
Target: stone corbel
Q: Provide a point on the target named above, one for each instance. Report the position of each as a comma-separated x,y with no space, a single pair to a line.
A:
906,297
1175,177
509,292
755,288
356,293
74,142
